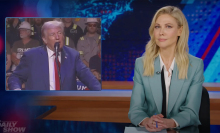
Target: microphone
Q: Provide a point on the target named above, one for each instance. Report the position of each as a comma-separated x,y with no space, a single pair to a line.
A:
56,46
158,72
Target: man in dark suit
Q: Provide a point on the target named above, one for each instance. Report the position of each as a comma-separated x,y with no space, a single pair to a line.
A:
37,67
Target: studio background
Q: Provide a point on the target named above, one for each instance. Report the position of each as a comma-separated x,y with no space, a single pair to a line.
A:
125,26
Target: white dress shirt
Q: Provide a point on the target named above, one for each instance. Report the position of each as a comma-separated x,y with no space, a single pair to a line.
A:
51,58
167,79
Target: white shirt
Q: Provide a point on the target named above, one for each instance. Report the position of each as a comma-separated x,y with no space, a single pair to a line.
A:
167,79
51,58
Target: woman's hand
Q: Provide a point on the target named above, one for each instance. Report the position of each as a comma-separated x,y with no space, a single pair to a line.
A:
150,124
168,123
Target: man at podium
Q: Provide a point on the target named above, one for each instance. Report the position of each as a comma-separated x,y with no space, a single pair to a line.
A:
44,68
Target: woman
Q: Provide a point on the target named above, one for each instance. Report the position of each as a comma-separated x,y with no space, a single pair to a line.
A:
167,80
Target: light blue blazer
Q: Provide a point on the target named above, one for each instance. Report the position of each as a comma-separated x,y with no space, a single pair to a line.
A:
184,95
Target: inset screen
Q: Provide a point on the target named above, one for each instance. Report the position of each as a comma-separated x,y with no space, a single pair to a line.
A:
53,54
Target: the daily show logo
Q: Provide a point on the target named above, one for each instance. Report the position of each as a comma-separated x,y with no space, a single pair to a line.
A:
10,127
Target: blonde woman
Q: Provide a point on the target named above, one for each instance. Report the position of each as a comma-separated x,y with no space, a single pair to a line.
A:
167,80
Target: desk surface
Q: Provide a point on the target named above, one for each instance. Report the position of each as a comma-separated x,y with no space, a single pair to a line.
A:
107,93
128,85
101,106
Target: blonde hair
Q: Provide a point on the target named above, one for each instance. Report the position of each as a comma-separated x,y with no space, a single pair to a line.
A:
181,50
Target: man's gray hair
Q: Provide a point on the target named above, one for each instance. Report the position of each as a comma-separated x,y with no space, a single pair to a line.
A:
51,24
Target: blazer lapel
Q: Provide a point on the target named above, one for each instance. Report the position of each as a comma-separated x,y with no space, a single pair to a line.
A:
64,64
155,84
175,87
45,66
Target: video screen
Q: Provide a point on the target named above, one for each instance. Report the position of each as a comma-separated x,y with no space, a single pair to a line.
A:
53,54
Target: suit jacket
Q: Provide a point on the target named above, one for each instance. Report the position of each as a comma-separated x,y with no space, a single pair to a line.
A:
184,95
33,69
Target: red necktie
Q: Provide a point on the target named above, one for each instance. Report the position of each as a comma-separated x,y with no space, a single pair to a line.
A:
57,81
